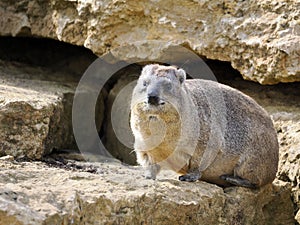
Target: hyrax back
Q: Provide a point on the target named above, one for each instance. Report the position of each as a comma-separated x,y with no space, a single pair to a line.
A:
201,129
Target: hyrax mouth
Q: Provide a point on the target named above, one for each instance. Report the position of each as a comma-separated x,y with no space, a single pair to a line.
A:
153,117
153,101
145,108
155,109
165,112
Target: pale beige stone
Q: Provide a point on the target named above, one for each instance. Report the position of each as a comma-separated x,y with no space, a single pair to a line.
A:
282,102
259,38
33,193
34,114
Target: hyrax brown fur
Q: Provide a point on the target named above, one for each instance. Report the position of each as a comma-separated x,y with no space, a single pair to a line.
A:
201,129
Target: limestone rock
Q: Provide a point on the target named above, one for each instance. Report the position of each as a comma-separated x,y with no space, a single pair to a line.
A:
289,168
282,102
118,137
33,112
34,193
259,38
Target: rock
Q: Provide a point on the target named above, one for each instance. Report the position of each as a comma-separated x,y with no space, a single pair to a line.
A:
259,38
32,113
282,102
289,168
35,110
298,216
118,137
34,193
7,158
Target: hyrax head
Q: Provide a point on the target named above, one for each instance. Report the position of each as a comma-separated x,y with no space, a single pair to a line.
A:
159,85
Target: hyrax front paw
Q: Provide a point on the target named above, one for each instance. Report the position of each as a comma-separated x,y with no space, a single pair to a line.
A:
190,177
152,171
149,174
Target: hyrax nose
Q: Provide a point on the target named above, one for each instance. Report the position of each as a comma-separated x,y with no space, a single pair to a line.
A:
153,98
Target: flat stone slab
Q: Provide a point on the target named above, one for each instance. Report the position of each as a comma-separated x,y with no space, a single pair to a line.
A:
35,110
111,193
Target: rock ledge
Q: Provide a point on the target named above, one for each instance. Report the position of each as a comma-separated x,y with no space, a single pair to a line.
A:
34,193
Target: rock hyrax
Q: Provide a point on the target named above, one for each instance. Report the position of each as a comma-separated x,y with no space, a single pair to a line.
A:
201,129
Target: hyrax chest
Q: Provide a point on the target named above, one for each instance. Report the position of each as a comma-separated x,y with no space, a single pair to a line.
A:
156,131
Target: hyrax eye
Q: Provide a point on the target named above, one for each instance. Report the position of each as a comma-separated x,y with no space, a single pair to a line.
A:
169,86
145,83
181,79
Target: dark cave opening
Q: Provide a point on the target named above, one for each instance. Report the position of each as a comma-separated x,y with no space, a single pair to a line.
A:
42,52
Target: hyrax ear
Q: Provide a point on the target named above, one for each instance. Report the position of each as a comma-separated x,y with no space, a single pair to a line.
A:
181,75
148,69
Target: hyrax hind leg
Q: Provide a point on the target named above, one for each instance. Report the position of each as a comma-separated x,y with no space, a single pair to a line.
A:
246,174
238,181
191,176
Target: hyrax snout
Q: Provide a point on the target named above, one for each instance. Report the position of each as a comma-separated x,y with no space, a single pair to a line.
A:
153,97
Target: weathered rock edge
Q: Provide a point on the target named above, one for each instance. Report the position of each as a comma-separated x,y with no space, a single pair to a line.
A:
259,38
33,193
35,112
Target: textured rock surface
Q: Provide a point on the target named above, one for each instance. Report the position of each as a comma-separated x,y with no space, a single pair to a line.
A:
283,103
118,138
259,38
35,110
289,168
38,80
33,193
33,113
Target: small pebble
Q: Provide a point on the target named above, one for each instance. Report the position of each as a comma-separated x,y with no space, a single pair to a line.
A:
7,158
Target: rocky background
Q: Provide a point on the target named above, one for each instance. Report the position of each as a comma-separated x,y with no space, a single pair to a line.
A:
45,47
